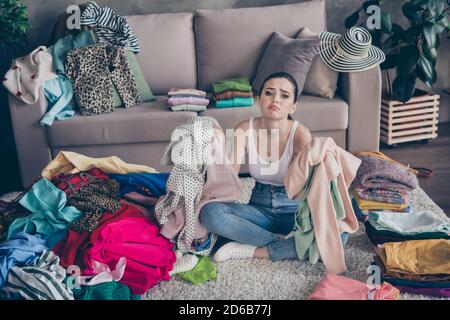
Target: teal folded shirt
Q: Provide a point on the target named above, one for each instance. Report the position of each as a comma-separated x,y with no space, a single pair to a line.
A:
50,215
235,102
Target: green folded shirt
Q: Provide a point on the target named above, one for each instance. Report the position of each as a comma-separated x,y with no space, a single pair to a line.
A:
237,84
235,102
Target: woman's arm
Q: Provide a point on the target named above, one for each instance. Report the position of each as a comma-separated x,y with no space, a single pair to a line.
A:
239,145
301,138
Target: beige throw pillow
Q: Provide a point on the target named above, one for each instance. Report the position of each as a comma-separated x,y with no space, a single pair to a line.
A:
321,80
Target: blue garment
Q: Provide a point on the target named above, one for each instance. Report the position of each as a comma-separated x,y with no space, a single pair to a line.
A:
135,182
269,214
62,47
59,94
22,249
50,214
59,91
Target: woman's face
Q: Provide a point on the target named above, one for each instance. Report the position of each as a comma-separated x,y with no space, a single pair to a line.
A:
277,99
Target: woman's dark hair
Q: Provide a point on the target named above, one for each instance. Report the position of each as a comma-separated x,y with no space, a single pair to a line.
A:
286,76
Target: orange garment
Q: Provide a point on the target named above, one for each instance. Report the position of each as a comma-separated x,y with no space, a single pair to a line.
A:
331,162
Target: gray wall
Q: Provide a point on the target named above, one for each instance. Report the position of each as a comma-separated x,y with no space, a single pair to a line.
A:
43,15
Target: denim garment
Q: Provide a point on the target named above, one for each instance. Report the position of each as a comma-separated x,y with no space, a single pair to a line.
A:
262,222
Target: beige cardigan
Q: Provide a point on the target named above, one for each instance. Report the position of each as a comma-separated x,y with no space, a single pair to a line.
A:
331,162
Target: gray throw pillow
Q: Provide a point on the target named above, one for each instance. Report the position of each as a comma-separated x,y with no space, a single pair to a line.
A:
284,54
321,80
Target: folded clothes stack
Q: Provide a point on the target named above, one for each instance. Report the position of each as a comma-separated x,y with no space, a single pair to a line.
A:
381,184
416,266
233,93
388,226
187,100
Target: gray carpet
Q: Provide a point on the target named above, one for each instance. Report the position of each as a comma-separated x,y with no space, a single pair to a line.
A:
259,279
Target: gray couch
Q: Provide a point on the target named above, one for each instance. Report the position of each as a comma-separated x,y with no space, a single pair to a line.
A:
192,50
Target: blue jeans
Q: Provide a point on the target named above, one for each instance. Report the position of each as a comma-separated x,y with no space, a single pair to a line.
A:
269,214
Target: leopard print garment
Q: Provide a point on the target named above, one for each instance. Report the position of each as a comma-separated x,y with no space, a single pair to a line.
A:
93,200
94,70
93,193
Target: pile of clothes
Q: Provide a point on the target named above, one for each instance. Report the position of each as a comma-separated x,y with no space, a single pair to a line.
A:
416,266
93,70
381,185
86,229
412,246
179,99
235,92
91,225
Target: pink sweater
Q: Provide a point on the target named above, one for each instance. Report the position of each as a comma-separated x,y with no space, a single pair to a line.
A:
332,162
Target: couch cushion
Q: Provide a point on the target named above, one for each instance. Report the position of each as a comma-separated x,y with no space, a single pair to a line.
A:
167,57
322,114
230,42
316,113
147,122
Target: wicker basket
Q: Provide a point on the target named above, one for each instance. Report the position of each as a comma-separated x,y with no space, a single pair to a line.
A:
414,120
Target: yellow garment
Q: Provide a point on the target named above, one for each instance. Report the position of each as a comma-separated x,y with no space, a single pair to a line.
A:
71,162
380,155
377,205
419,257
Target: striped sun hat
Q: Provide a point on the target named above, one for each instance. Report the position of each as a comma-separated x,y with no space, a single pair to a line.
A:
350,52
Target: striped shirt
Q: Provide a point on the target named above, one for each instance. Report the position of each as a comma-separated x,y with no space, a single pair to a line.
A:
43,280
110,27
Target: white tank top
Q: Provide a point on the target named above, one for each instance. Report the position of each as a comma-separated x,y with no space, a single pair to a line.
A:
269,172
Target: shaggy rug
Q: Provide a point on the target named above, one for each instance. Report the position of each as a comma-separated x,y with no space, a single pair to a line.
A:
260,279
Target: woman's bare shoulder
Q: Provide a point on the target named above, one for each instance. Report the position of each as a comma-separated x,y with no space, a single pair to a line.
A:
242,125
302,137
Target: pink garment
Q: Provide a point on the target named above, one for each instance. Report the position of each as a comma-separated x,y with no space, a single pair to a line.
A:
334,287
222,185
149,256
187,100
103,273
331,162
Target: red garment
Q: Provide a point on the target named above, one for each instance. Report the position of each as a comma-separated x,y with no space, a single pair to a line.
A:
70,183
127,233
